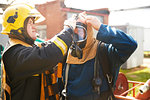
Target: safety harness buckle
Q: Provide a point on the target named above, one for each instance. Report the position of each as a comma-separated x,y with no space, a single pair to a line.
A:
109,78
64,92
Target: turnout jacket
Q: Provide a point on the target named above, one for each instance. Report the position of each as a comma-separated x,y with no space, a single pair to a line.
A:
119,46
24,64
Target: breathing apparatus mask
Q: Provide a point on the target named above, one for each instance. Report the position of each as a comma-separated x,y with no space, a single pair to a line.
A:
79,40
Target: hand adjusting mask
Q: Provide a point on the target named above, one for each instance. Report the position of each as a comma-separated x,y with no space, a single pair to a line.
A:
79,40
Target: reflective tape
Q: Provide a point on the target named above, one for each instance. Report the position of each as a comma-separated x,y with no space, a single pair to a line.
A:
61,45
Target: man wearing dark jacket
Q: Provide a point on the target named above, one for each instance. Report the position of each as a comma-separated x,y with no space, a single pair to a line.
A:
79,70
28,69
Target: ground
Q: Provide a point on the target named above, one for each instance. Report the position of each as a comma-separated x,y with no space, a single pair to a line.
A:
146,62
140,73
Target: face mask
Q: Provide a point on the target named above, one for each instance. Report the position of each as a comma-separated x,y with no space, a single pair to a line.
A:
79,40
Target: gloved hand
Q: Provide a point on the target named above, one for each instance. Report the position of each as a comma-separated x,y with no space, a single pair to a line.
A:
93,21
71,22
81,17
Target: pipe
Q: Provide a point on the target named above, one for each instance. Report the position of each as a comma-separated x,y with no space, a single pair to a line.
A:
144,88
144,91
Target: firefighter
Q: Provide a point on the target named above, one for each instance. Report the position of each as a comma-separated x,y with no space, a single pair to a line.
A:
79,69
28,69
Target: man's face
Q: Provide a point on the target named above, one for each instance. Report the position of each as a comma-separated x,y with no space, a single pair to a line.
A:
31,30
80,33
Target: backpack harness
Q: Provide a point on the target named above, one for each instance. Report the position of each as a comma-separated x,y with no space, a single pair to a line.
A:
101,58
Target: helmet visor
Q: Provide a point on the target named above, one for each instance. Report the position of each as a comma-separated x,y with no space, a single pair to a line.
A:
37,15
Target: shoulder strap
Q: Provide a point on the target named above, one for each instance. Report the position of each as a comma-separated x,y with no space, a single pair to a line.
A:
104,61
96,82
5,87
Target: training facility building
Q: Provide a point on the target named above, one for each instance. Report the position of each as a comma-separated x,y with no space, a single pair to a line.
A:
55,13
137,32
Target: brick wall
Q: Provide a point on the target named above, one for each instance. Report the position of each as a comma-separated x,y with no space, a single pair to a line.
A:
55,13
54,17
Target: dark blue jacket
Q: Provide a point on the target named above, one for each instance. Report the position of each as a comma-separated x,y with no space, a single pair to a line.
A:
119,45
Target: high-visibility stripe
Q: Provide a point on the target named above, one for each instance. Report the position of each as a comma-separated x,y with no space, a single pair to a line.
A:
59,70
42,96
36,75
53,77
61,45
50,92
5,86
57,97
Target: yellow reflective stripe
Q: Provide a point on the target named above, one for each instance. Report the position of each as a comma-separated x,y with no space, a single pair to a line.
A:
5,86
36,75
61,45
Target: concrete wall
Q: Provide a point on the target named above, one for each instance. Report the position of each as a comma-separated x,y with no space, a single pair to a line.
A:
41,30
137,57
147,39
3,38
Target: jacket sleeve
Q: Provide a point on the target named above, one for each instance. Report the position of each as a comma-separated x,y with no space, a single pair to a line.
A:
119,44
21,61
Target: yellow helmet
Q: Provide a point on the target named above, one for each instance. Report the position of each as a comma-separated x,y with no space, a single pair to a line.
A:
15,15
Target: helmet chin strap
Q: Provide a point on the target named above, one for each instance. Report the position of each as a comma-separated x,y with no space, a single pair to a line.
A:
22,35
28,39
